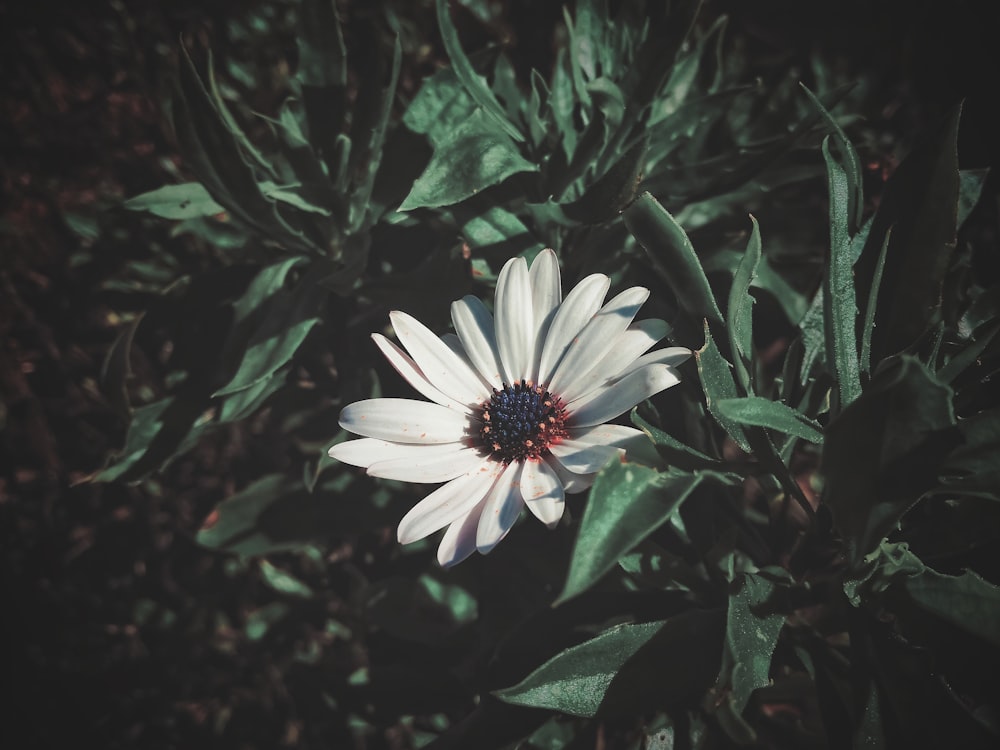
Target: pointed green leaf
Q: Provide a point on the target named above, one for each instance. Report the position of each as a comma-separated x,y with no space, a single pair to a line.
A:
840,309
627,503
673,256
184,201
478,157
920,203
752,628
472,81
739,312
621,671
762,412
884,451
718,383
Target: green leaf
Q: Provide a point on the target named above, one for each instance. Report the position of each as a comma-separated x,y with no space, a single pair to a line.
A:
157,432
968,357
496,229
739,311
718,384
322,74
283,582
605,198
116,370
840,309
970,189
673,256
627,503
478,156
285,319
368,130
466,74
440,106
972,468
276,513
752,628
210,147
184,201
920,203
673,451
966,601
621,671
756,411
884,451
868,326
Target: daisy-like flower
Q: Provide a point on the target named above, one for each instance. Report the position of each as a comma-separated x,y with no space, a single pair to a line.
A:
518,406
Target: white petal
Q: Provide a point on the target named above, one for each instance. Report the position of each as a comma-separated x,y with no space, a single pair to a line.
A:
571,482
638,447
639,337
446,371
500,510
429,463
546,294
413,375
476,331
616,435
542,492
367,451
459,541
607,403
515,323
404,421
672,355
448,503
597,338
573,314
584,458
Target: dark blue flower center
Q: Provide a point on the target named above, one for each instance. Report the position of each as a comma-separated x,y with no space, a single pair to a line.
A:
522,421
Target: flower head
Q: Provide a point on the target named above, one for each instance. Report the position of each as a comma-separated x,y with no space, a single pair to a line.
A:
518,406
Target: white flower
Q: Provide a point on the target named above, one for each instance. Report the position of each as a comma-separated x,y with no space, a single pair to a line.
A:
518,406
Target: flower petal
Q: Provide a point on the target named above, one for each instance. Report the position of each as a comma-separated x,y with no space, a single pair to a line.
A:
571,481
476,331
573,314
672,356
429,463
366,451
546,294
542,492
597,338
584,458
459,541
445,370
502,507
607,403
403,420
448,503
515,323
639,337
615,435
413,375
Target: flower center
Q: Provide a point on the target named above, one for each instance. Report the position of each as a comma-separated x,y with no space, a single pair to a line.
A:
522,421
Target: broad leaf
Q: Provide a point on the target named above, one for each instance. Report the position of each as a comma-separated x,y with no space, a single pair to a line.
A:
176,202
718,383
479,156
739,312
674,257
762,412
627,503
884,451
624,670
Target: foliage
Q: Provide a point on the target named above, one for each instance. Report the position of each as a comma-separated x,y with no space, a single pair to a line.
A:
808,556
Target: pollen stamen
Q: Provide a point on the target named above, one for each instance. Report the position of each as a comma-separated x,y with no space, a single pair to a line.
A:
522,421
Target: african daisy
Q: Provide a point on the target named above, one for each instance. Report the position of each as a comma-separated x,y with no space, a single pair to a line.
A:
518,406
